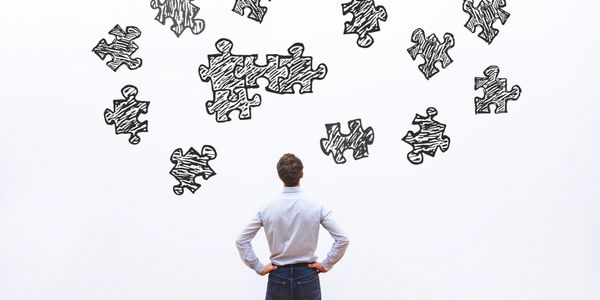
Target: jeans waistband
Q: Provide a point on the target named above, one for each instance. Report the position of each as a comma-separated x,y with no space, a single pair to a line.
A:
304,264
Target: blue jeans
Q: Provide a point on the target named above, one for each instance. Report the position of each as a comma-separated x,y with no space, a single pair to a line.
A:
294,282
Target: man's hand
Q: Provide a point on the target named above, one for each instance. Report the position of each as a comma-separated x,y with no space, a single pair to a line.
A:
267,269
318,266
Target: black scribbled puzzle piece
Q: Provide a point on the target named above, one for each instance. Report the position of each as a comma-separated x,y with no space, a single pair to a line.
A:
190,165
484,16
300,71
365,20
225,102
126,113
229,91
272,72
432,51
428,139
121,49
222,67
182,12
357,140
257,12
495,92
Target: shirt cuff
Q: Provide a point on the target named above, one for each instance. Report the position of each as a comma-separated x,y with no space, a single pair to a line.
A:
326,265
259,267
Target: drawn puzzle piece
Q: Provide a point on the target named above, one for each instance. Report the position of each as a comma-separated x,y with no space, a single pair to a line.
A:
225,102
428,139
300,71
229,92
126,113
182,12
221,68
121,49
272,72
484,16
495,92
337,143
432,51
191,165
257,12
365,20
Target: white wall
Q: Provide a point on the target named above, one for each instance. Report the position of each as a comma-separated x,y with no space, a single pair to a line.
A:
511,211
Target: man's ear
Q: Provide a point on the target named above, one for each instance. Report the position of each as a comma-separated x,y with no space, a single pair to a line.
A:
302,174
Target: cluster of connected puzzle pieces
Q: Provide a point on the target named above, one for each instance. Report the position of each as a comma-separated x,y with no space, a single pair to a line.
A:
232,76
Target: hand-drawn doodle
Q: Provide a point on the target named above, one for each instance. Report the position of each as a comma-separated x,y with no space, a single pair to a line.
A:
191,165
484,16
257,12
272,72
229,92
337,143
232,76
432,51
300,71
365,20
121,49
495,92
226,101
428,139
182,12
126,113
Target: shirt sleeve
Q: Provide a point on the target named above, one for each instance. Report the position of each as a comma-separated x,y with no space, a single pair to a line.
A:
244,245
340,243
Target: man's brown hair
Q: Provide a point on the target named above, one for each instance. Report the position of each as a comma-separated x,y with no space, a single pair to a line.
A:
289,169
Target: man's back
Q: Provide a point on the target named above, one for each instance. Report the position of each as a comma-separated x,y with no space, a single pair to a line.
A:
291,225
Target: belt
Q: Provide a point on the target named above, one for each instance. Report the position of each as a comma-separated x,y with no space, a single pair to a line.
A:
304,264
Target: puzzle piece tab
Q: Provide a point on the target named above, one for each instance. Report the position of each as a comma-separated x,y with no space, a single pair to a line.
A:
126,113
225,102
484,16
432,51
428,139
495,92
300,71
182,12
257,12
191,165
365,20
251,72
121,49
337,143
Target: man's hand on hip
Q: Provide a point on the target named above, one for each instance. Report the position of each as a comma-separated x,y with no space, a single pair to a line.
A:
318,266
267,269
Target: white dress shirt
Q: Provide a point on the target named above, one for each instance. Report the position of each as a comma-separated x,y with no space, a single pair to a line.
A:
291,224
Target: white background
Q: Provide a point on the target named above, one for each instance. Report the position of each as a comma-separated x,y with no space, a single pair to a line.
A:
511,211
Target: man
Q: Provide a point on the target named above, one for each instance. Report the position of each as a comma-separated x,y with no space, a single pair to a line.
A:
291,224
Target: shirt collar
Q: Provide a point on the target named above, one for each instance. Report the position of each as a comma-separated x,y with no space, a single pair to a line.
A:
294,189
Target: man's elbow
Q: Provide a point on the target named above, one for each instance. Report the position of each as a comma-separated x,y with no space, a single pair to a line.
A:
239,243
344,241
